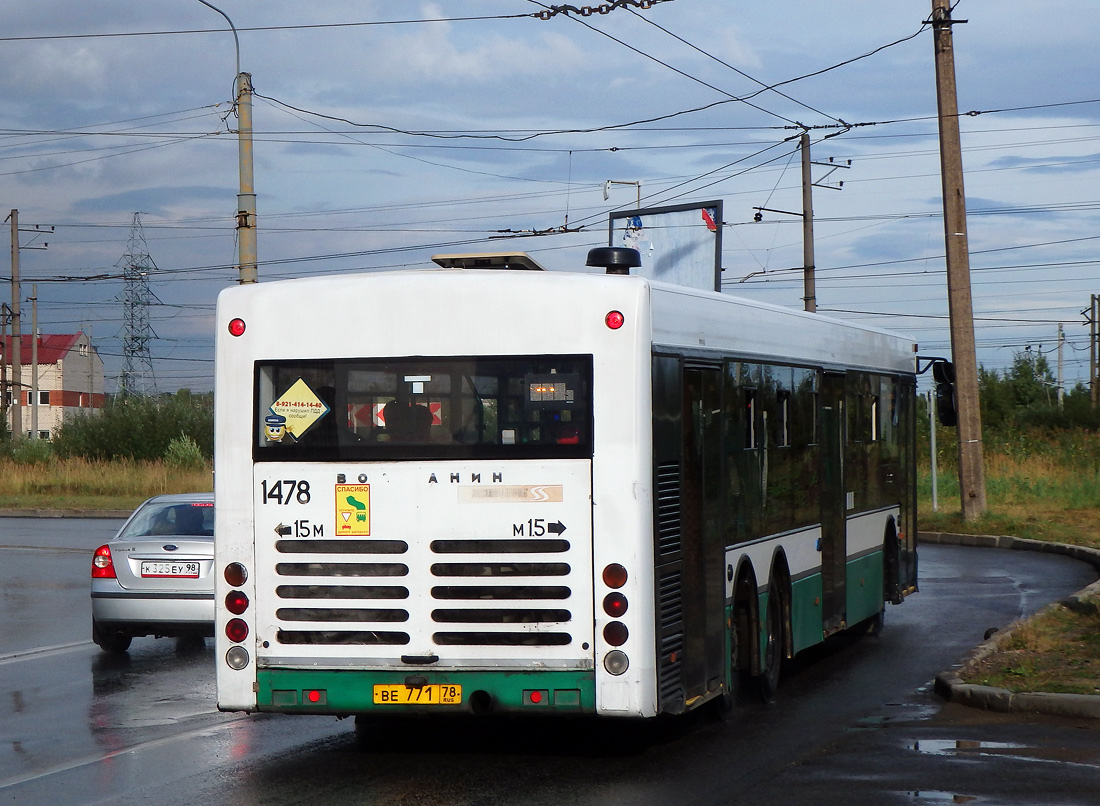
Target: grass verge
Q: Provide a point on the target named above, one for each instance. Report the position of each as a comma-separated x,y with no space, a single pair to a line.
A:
1041,496
1056,651
83,484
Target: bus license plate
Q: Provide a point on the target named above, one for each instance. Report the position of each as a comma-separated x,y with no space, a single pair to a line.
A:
166,569
432,694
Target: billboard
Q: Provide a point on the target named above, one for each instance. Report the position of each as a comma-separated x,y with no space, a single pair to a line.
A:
681,244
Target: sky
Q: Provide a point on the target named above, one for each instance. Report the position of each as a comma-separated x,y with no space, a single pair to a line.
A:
386,131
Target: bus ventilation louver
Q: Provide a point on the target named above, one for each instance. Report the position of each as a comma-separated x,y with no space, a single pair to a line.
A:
491,593
342,603
525,604
670,623
668,510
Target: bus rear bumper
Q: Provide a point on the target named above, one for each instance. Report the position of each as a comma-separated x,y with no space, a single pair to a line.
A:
345,692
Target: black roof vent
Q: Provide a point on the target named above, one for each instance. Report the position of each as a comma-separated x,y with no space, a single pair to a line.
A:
615,259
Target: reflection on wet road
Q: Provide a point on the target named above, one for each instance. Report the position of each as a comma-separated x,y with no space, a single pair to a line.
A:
855,721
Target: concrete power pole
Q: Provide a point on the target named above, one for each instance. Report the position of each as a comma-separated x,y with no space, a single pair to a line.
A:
1094,374
809,294
246,198
16,334
960,304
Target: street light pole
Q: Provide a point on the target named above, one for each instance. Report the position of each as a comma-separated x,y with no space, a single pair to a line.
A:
246,197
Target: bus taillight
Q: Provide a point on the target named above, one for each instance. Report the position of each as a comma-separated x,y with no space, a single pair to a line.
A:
236,630
614,604
235,574
614,576
615,633
236,327
236,602
614,320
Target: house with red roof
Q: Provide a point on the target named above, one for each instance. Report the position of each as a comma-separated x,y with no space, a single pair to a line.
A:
70,380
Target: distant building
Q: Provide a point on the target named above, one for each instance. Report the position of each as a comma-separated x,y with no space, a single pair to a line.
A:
70,379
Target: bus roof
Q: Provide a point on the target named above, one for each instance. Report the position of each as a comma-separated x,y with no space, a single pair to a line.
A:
470,311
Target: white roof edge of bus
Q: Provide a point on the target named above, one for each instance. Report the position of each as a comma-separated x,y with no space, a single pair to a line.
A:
672,288
488,260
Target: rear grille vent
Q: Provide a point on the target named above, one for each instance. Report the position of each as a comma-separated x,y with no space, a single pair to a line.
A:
497,593
668,510
670,625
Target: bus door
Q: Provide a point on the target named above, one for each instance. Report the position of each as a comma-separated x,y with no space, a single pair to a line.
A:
703,552
834,554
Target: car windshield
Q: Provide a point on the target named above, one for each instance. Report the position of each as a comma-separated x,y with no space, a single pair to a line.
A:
172,518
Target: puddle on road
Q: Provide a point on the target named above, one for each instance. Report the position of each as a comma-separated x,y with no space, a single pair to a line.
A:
956,747
925,796
1009,751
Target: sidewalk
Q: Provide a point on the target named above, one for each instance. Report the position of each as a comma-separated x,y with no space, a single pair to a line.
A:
950,686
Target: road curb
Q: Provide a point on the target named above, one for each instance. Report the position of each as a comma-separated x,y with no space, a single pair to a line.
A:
950,685
65,513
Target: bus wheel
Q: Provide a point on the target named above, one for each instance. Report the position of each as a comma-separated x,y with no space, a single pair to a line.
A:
773,645
731,696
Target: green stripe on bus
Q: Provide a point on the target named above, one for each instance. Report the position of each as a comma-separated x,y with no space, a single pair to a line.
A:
864,588
348,691
806,620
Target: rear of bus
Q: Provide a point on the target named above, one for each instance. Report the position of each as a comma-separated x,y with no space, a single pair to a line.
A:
434,495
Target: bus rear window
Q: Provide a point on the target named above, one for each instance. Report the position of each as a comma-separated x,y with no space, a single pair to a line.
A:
376,408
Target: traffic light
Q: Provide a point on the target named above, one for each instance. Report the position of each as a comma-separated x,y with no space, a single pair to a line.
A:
943,373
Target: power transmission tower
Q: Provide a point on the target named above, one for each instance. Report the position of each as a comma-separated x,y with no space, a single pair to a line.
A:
137,377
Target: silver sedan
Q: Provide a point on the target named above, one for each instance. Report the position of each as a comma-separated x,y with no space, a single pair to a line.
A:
154,577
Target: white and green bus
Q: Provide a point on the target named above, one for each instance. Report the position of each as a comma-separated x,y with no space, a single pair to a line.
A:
508,490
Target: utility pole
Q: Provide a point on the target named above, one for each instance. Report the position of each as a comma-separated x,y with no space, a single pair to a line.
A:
34,361
16,334
809,292
809,286
1094,370
960,303
246,199
1061,383
5,311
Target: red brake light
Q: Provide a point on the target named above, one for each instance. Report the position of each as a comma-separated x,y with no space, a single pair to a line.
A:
615,604
102,565
614,320
236,602
236,327
236,630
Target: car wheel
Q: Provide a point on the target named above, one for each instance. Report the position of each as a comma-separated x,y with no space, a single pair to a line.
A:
110,640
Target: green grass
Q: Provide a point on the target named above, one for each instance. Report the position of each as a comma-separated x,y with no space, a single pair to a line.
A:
94,485
1056,652
1038,496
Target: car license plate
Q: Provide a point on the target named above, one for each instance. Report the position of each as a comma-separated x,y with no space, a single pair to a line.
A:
151,568
432,694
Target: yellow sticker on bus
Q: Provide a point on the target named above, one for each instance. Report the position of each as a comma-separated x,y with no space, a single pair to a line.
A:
353,509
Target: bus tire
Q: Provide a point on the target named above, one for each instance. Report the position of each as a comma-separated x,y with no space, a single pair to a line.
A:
772,660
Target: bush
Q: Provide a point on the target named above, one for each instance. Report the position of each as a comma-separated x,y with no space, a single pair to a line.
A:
184,453
32,452
139,428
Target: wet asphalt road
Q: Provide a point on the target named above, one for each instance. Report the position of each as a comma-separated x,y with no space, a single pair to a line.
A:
855,723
